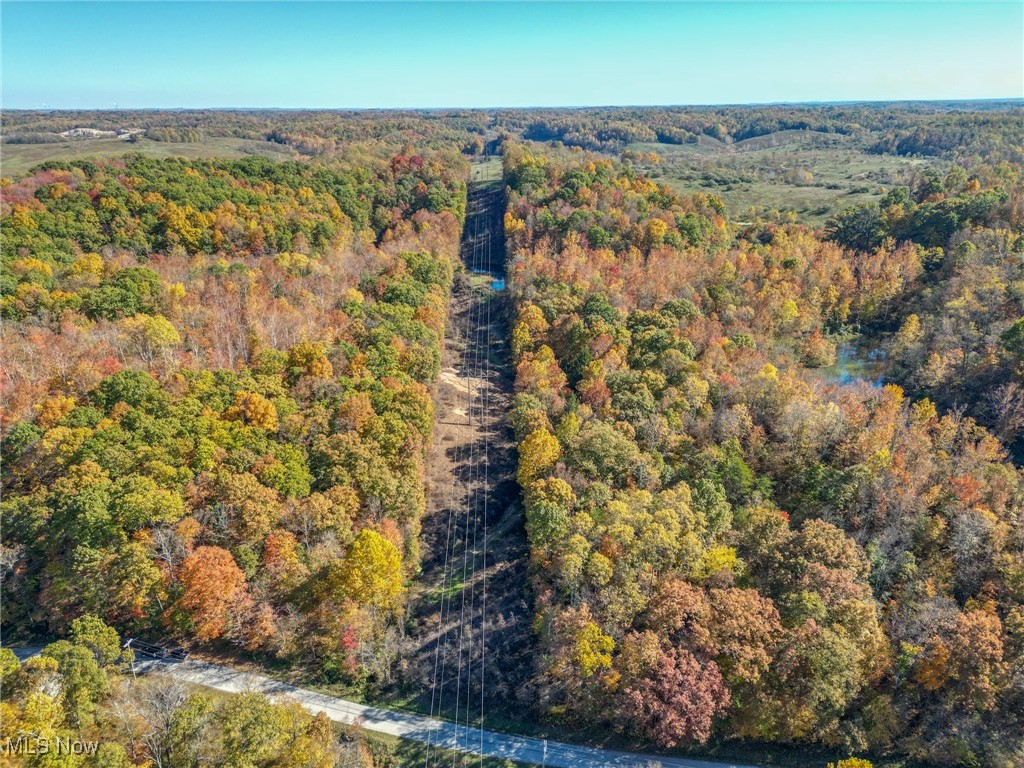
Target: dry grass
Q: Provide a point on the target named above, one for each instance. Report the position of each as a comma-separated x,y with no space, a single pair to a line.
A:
16,159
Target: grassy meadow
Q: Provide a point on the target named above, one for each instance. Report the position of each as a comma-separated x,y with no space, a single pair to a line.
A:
812,174
16,159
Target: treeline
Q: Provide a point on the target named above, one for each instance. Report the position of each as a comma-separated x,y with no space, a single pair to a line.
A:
988,131
610,128
180,135
985,130
991,136
724,545
215,380
312,132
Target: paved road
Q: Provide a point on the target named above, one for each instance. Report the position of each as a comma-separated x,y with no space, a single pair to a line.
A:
522,749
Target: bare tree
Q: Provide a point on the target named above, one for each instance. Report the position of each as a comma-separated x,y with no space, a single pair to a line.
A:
1006,405
144,712
169,548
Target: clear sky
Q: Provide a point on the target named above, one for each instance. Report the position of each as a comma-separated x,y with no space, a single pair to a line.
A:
434,54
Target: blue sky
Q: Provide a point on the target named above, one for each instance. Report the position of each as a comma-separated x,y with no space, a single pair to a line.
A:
434,54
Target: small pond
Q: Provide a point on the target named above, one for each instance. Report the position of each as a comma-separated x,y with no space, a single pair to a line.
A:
856,362
497,281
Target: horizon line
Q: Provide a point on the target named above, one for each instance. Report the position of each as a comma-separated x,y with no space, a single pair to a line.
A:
808,103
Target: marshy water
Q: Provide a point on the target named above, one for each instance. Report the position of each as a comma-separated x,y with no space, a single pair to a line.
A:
864,362
497,281
856,362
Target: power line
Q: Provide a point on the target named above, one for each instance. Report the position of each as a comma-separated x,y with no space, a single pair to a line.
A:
442,653
487,466
480,231
476,491
440,660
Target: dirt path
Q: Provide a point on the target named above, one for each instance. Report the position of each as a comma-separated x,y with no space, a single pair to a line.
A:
471,615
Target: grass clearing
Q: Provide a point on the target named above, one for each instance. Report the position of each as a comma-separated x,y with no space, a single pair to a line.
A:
16,159
485,169
811,174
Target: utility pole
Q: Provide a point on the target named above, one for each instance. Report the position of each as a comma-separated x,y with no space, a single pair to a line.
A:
128,646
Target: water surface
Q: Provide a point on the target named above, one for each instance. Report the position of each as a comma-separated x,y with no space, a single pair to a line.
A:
856,362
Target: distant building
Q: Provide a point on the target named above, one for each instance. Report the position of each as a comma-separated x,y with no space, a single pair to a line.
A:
90,133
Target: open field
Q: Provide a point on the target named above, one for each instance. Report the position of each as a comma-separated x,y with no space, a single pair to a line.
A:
813,174
486,169
18,158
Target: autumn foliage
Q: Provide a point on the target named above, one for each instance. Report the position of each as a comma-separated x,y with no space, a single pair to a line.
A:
213,588
216,396
724,542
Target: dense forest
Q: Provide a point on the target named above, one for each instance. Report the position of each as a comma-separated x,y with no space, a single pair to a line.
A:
723,543
217,405
218,380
